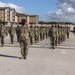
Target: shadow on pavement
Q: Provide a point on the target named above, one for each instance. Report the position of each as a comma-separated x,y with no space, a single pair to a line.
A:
12,45
2,55
69,45
65,48
39,47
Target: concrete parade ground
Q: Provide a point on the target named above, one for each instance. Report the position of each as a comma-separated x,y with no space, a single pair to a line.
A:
41,60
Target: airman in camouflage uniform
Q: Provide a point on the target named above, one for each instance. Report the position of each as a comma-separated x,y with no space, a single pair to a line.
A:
38,33
46,31
31,34
41,33
2,34
17,32
63,33
68,31
24,39
56,33
35,34
52,36
59,34
12,33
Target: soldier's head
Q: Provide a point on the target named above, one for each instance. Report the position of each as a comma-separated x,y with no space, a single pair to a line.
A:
35,26
23,21
52,26
31,26
55,26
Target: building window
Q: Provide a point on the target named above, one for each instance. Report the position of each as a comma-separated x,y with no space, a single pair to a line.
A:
13,12
13,16
8,15
8,11
8,19
13,19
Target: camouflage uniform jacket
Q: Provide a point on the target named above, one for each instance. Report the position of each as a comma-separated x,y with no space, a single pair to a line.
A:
31,32
12,31
24,34
2,31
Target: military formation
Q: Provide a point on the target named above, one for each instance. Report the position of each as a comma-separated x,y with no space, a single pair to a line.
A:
58,34
28,35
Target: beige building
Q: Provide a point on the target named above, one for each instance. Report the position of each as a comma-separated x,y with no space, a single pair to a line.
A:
8,15
31,19
20,17
12,15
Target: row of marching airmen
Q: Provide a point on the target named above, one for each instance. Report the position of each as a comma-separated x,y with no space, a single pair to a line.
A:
32,34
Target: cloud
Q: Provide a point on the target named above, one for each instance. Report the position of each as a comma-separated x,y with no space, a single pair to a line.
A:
65,12
17,8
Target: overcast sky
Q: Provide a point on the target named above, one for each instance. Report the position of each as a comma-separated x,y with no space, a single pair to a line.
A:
48,10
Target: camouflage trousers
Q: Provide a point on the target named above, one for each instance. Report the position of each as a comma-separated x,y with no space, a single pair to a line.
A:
46,35
68,35
59,39
63,37
41,37
56,41
17,38
35,38
31,40
2,40
52,40
24,49
12,38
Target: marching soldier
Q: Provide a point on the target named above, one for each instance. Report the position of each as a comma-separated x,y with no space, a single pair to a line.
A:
24,39
2,34
59,34
12,33
17,32
41,33
56,33
68,31
38,33
31,34
52,36
35,34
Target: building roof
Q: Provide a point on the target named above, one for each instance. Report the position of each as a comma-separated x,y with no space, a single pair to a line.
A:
20,14
17,14
32,15
3,8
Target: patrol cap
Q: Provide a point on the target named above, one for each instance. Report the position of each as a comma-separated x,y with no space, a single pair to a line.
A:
23,21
